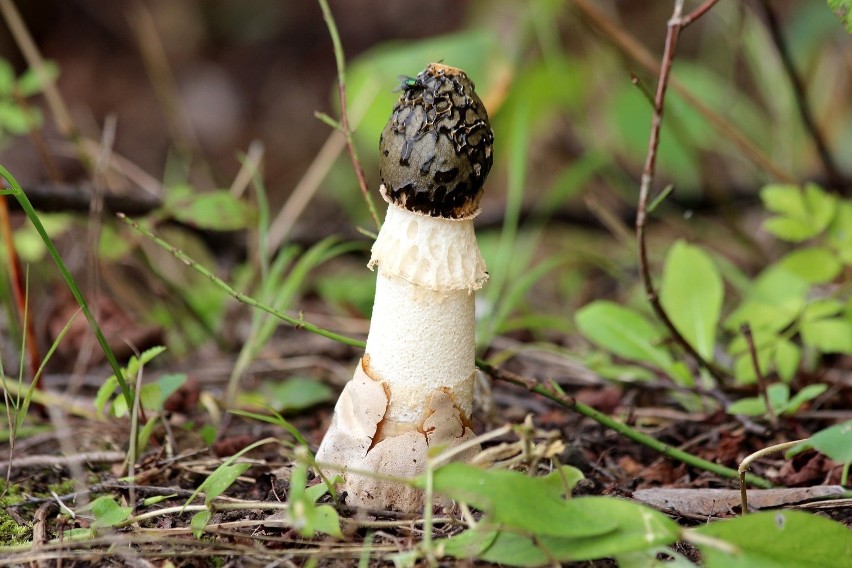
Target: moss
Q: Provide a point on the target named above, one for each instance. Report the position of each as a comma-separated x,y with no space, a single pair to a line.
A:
12,533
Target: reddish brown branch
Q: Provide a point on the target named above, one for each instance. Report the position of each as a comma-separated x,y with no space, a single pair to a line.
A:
761,380
832,172
18,291
674,27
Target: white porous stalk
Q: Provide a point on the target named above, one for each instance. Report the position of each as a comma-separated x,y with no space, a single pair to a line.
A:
413,389
422,330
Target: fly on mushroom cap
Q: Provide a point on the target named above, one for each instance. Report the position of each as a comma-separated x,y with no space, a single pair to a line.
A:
436,149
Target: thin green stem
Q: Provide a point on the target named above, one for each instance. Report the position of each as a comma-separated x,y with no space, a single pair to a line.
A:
556,395
18,193
190,262
344,118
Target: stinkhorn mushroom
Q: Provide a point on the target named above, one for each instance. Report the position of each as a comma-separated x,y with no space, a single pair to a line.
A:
413,388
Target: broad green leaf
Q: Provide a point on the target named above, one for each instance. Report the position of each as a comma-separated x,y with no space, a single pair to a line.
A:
831,335
692,293
774,301
821,309
32,80
787,359
622,331
169,384
637,528
215,210
199,521
326,521
835,442
810,392
16,119
135,363
219,481
776,539
744,366
778,394
803,213
751,406
105,392
840,232
107,512
507,497
7,77
816,265
296,393
843,10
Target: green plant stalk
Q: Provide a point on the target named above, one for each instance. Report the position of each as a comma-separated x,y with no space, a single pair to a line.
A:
186,259
344,119
18,193
554,395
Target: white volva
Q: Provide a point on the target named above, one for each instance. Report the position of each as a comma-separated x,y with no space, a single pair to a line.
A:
414,386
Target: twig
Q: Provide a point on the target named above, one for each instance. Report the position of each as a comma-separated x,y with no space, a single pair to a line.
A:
831,170
344,119
674,27
746,463
64,461
761,380
638,53
32,55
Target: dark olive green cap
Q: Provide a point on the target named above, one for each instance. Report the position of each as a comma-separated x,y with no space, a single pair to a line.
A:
437,147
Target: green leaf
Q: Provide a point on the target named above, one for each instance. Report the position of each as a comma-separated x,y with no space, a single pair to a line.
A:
787,359
835,442
157,499
107,512
296,393
16,119
776,539
506,496
831,335
199,521
774,301
215,210
778,394
105,392
145,434
822,308
637,528
803,213
750,406
843,10
816,265
622,331
691,293
840,232
7,77
810,392
219,481
32,80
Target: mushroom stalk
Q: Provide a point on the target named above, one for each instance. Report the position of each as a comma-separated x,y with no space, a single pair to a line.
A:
413,388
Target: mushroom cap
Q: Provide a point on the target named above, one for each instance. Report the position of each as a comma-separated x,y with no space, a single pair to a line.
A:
437,147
